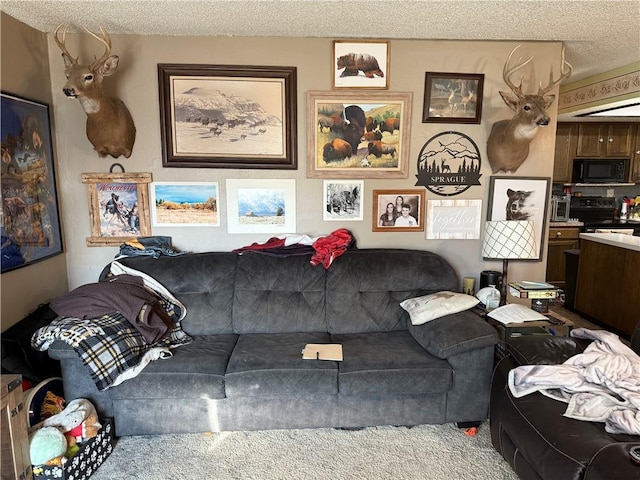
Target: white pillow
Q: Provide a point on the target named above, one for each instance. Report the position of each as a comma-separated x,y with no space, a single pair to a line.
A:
429,307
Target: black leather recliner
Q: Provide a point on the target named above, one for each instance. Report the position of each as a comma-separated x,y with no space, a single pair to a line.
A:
536,439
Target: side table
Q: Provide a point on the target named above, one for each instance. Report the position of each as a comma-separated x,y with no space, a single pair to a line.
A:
507,332
16,462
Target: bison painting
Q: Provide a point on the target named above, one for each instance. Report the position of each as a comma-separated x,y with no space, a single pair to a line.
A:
378,149
338,149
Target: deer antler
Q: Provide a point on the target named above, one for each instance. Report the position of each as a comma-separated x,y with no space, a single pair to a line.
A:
507,72
565,72
105,39
60,42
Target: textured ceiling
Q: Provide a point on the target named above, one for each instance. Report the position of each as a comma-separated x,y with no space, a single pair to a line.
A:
599,35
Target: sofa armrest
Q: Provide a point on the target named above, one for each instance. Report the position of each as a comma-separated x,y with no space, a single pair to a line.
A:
453,334
61,351
545,350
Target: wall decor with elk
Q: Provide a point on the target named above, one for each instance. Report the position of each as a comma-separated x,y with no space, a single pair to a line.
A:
508,142
110,128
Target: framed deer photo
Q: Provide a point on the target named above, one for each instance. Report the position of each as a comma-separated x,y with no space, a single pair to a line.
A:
226,116
452,98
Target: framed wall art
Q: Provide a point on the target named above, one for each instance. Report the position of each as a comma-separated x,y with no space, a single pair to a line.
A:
521,198
342,200
261,206
361,64
118,207
226,116
452,97
185,204
454,219
30,219
398,210
358,135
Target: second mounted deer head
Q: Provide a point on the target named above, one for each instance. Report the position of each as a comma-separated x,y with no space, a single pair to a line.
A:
508,142
110,128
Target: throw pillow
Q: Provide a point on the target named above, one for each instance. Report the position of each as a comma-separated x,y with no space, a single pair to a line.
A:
429,307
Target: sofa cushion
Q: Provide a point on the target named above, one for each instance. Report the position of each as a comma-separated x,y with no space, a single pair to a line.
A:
272,364
278,295
195,370
389,363
429,307
365,287
204,282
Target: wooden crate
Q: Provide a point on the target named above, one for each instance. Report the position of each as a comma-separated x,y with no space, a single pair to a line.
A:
15,438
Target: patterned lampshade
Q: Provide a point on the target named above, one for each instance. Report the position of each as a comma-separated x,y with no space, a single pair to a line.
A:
509,239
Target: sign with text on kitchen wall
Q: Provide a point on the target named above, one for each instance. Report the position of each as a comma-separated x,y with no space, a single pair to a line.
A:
453,219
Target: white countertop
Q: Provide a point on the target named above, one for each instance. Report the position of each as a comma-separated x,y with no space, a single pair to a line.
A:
570,223
614,239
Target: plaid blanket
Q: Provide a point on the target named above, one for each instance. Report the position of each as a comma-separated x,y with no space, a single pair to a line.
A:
109,345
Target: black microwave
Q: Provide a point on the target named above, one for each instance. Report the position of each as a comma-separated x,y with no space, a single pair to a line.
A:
599,171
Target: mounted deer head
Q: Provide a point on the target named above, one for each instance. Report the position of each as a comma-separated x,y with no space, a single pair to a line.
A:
110,128
508,142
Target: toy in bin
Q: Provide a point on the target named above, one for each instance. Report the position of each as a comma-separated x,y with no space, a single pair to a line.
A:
58,428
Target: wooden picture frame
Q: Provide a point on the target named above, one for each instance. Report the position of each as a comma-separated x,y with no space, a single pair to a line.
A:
261,206
360,64
185,204
521,198
358,135
381,202
452,98
118,207
199,129
30,218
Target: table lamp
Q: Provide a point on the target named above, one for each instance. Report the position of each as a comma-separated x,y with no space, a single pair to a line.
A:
508,240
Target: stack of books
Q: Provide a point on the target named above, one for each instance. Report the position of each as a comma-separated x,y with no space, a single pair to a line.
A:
538,292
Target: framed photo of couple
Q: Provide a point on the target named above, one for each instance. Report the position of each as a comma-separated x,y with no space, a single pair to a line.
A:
398,210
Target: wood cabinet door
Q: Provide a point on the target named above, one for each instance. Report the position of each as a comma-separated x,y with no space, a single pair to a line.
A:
590,140
619,139
564,153
635,157
556,260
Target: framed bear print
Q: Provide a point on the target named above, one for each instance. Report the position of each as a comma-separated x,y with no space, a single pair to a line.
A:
361,64
521,198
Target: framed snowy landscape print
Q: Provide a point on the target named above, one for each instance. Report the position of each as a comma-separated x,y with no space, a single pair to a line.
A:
226,116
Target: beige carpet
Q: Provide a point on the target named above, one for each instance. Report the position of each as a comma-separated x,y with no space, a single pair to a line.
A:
429,452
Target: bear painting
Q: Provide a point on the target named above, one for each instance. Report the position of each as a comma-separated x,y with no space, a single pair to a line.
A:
353,63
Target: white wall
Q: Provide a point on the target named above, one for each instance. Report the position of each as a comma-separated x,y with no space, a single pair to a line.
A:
136,83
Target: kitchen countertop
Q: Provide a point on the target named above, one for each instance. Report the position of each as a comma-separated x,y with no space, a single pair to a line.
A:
628,242
566,224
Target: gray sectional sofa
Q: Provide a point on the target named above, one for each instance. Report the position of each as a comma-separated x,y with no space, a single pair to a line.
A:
251,315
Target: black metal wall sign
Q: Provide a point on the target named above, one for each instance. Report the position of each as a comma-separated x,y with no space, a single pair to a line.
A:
448,164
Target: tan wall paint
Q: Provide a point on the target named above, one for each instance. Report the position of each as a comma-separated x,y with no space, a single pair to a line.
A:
136,83
25,72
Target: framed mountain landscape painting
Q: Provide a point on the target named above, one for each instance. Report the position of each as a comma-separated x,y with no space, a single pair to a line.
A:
226,116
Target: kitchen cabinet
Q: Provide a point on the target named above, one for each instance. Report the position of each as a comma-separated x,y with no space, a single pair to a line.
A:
565,152
607,276
560,239
635,158
602,140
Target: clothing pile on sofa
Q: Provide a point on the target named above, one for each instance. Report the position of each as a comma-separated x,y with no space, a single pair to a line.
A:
116,326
